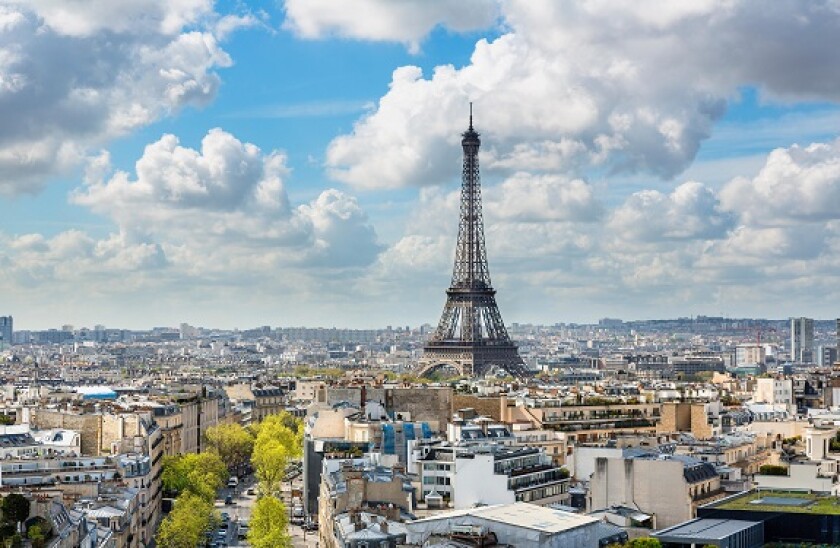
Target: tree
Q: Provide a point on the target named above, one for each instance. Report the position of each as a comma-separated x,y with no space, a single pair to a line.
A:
644,542
231,442
36,535
201,474
275,445
187,523
269,525
15,508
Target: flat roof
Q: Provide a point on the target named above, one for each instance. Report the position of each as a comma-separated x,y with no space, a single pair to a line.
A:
705,529
780,501
522,514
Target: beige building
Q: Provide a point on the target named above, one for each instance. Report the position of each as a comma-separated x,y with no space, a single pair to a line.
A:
669,489
582,423
691,417
354,488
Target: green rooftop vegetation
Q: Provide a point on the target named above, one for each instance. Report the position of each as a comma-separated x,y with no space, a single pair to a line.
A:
819,504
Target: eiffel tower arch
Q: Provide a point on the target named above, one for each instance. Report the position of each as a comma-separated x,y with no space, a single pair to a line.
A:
471,336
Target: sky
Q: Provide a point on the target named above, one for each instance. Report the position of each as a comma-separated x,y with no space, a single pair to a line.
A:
297,162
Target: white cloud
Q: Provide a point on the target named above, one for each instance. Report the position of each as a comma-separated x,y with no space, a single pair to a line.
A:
217,217
795,184
691,212
75,74
89,17
405,21
622,86
536,198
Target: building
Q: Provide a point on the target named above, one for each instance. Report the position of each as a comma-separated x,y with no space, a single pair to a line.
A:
802,340
749,354
724,533
351,490
517,524
669,488
773,391
828,355
791,519
488,474
6,331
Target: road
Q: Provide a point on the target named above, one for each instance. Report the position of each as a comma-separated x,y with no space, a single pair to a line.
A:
241,511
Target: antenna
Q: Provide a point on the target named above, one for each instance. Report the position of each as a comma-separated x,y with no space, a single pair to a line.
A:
471,126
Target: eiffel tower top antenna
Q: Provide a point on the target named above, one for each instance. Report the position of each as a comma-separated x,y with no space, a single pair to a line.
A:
471,116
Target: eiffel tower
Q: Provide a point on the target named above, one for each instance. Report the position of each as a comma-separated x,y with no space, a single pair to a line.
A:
471,336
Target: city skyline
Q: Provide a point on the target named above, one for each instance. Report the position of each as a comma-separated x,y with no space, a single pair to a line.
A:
230,164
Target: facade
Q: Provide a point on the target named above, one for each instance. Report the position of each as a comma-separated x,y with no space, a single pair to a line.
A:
583,423
668,488
6,331
489,474
802,340
749,354
773,391
351,490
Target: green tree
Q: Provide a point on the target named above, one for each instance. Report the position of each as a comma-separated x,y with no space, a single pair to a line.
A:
276,444
231,442
644,542
187,523
269,525
36,535
15,508
201,474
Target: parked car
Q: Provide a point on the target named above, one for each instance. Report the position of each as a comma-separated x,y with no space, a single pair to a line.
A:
225,517
251,491
310,526
229,500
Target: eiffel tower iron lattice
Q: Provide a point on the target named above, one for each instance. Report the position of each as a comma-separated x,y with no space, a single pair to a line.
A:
471,336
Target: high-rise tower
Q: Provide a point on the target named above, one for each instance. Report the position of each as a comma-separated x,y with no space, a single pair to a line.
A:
471,336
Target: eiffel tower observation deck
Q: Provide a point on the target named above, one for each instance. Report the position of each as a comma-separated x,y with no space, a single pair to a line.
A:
471,336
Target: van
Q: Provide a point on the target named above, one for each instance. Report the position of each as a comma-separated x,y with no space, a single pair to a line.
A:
233,482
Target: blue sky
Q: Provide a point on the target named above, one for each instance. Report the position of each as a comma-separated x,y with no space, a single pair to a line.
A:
640,159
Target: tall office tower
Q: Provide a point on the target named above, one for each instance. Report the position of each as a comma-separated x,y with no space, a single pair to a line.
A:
471,336
5,331
837,341
802,340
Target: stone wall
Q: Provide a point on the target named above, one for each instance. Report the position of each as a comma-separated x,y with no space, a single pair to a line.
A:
89,427
489,406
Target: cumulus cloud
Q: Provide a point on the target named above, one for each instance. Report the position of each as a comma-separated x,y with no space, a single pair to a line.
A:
691,212
217,216
795,184
621,86
406,21
75,74
536,198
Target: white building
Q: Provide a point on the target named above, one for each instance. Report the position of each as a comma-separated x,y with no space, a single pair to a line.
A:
773,391
490,474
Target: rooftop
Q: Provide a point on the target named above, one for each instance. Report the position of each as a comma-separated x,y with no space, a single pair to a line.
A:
706,529
781,501
521,514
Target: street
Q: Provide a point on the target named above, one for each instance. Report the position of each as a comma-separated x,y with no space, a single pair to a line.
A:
240,512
